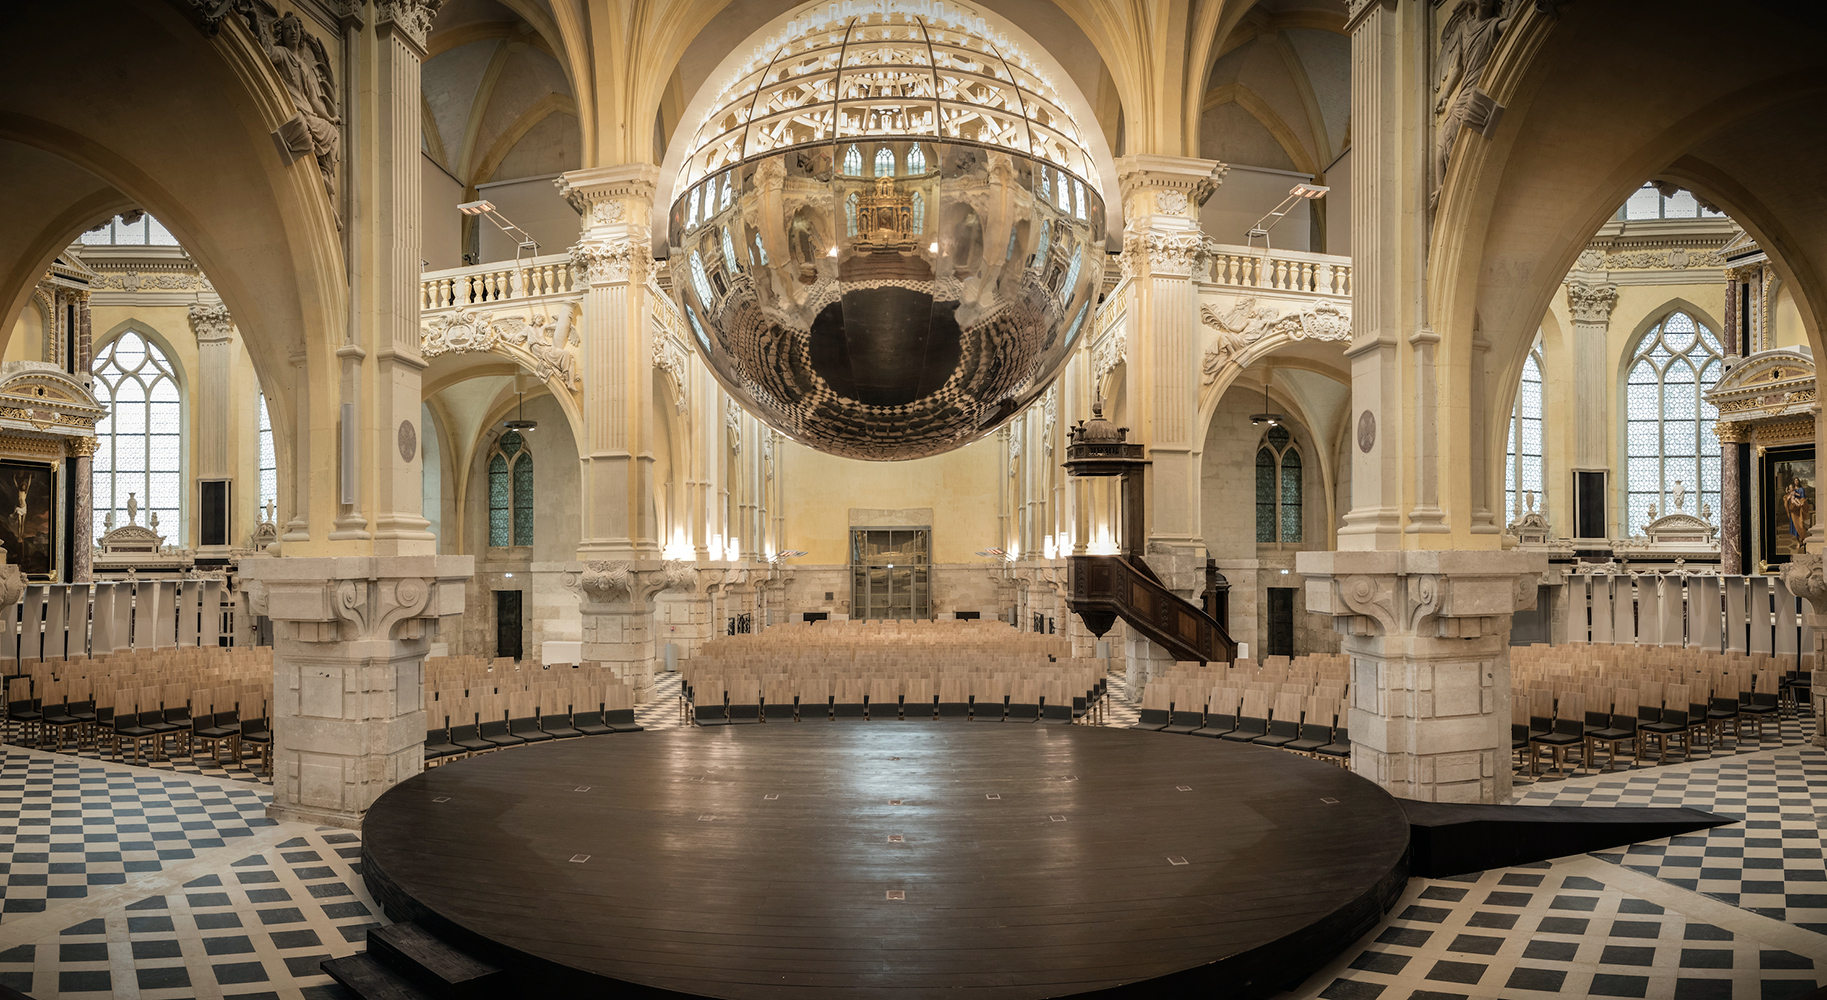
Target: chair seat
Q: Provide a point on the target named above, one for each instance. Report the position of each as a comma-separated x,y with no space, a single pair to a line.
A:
135,732
1757,709
504,740
474,746
1662,728
62,720
594,729
1335,750
534,735
1272,741
218,732
1305,746
434,750
1557,739
1243,735
1611,734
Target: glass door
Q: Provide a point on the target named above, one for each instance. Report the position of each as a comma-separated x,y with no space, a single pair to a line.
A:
890,573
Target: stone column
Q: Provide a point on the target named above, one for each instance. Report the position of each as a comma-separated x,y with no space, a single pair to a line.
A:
350,637
385,246
82,517
1731,497
613,256
1162,250
1428,634
1591,305
616,597
214,330
1389,105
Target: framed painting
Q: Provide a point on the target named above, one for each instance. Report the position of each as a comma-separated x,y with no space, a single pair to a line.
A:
28,517
1787,508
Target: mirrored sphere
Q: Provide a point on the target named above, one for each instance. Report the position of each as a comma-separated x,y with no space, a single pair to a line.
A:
889,298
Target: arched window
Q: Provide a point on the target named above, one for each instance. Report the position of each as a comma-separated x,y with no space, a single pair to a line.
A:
853,162
919,213
1046,184
1065,194
850,204
1040,249
510,492
269,461
1668,429
729,252
1523,466
884,161
139,443
699,279
916,160
1078,198
1278,488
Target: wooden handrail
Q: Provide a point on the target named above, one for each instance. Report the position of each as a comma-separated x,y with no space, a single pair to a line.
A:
1105,588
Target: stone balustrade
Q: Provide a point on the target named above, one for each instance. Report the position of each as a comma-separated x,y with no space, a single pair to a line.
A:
1280,270
502,281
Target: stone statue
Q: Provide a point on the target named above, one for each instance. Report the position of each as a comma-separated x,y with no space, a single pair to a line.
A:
1680,495
1471,35
1529,500
1652,512
133,509
304,64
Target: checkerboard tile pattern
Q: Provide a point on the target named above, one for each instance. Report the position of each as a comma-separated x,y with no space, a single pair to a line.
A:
662,711
1777,734
1769,863
1535,931
257,929
200,765
68,826
1120,710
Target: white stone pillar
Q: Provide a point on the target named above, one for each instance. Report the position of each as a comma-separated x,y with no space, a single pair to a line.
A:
1805,579
616,598
1591,304
350,637
214,330
1428,634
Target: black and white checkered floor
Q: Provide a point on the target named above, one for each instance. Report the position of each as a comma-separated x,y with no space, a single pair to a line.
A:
134,882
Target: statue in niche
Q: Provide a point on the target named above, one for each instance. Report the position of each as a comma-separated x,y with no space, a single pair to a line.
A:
1471,35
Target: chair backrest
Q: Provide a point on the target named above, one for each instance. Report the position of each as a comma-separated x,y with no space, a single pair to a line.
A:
1288,707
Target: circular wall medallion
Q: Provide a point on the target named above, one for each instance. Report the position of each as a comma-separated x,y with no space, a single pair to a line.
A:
1367,432
409,440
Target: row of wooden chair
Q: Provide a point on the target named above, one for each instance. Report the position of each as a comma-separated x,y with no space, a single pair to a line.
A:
465,725
1312,725
1585,719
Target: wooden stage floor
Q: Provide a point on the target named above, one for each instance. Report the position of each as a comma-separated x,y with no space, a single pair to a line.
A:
765,861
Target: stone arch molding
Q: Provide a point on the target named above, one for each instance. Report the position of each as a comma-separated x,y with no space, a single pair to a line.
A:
1256,327
543,340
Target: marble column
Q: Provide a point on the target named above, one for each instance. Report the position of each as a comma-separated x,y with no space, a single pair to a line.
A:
82,517
350,637
1731,497
1428,634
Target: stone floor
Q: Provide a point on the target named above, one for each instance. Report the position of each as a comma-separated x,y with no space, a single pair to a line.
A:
170,882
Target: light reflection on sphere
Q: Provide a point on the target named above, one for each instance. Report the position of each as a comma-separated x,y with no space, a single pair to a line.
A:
888,296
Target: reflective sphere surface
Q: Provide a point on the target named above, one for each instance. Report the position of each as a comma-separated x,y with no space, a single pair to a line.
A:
889,298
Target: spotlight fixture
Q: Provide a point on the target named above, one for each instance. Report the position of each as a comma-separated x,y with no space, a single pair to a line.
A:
524,241
1296,194
521,423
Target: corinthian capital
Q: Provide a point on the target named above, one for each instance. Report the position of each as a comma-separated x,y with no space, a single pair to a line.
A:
412,17
604,261
211,322
1591,303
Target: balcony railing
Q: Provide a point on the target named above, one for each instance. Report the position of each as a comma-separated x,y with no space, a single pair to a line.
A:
502,281
1281,270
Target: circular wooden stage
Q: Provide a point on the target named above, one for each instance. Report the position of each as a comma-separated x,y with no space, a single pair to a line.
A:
891,859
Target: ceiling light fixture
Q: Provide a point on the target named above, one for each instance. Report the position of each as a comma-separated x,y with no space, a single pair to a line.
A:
1268,415
521,423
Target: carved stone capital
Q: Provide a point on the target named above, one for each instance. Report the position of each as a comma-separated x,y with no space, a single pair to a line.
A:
1163,253
626,581
1805,579
670,358
412,18
1731,433
603,262
1427,594
1591,303
211,323
1171,186
607,196
352,599
81,447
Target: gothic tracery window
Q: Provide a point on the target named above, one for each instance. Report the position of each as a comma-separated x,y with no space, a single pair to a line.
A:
1523,465
916,160
139,443
510,492
884,162
853,162
269,461
1278,488
919,213
1668,427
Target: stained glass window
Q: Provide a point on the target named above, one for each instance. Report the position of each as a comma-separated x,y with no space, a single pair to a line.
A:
1278,488
884,162
850,204
500,502
139,443
699,279
1523,466
853,162
916,160
510,492
1265,495
729,251
1648,203
269,461
1668,427
919,213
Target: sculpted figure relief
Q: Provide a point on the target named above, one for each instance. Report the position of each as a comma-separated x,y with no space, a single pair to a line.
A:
304,65
1471,35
